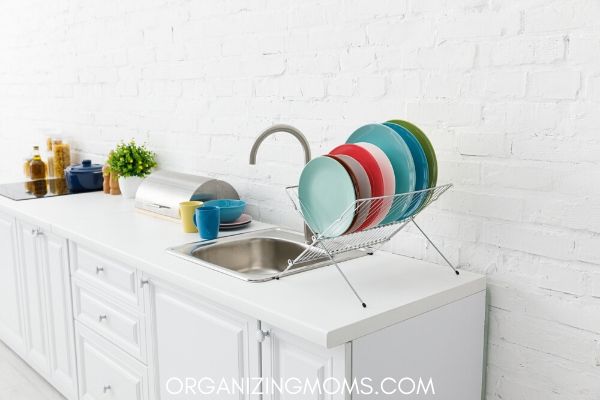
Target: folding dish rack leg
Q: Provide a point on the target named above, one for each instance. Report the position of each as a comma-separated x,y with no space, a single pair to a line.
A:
331,257
329,243
436,248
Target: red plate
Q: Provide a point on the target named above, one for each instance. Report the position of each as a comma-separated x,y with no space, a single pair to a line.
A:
369,163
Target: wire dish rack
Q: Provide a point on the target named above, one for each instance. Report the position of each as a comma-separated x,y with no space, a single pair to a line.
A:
343,234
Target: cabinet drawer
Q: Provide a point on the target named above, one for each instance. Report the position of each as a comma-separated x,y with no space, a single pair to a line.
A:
105,372
121,326
108,274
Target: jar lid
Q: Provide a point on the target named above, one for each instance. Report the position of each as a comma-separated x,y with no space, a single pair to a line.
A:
86,166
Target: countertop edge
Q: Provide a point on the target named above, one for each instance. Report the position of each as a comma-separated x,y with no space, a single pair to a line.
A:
381,321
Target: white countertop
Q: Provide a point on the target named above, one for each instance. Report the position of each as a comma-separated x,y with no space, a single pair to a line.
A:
316,305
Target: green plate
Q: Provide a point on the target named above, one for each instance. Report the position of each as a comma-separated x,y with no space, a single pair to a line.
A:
427,148
326,193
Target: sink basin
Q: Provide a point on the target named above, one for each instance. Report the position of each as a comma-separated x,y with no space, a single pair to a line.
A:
261,255
256,257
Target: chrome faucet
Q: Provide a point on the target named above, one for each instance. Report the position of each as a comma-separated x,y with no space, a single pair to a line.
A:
280,128
308,234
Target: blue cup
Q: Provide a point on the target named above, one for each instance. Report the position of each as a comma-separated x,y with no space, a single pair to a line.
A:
207,220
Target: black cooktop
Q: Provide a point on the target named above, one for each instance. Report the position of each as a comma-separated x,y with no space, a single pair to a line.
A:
35,189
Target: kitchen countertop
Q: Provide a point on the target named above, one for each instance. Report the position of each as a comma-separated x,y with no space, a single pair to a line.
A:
316,305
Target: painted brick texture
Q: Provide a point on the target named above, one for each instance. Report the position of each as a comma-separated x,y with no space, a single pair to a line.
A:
509,92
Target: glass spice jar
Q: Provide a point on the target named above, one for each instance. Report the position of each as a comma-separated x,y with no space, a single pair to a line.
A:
50,157
62,157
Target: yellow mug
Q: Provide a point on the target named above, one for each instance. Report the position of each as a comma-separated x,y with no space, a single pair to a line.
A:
186,213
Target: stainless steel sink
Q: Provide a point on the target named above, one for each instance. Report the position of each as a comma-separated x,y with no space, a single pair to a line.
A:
257,256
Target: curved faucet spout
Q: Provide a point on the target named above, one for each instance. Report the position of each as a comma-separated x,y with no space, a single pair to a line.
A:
308,234
280,128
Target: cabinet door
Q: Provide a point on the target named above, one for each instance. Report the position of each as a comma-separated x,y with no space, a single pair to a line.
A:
303,370
106,372
34,299
200,344
61,337
11,316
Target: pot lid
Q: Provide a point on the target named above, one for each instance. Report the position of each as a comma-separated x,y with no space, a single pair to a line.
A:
86,166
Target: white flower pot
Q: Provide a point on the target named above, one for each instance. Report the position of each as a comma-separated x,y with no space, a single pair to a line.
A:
129,185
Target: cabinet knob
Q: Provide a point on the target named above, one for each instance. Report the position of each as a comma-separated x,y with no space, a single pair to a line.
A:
36,232
143,282
261,335
102,317
106,388
99,269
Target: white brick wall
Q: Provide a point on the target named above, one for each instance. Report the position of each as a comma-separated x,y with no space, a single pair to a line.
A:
509,92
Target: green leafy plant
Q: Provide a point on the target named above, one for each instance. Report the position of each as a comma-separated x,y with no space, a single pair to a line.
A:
130,159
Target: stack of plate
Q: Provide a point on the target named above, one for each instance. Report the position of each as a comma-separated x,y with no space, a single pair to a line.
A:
377,160
241,222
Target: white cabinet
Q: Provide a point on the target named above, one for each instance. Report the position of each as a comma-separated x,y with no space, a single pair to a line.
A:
196,341
304,371
106,372
143,339
108,308
116,322
38,352
11,311
50,345
115,279
54,257
440,351
197,346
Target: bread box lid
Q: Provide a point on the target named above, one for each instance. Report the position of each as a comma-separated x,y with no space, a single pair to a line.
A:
162,191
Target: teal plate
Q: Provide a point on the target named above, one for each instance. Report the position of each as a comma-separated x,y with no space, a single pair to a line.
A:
326,192
426,145
399,154
429,153
421,166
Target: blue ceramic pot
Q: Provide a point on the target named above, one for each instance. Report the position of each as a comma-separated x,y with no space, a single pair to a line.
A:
84,177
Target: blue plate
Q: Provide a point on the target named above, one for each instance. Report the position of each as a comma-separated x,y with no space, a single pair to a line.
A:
421,165
326,193
399,154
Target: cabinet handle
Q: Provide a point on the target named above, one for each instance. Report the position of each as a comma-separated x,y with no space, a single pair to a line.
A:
102,317
261,335
99,269
106,388
143,282
36,232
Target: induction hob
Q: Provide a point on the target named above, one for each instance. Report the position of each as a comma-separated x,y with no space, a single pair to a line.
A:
37,189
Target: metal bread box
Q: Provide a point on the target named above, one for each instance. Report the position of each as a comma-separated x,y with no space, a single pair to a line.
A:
162,191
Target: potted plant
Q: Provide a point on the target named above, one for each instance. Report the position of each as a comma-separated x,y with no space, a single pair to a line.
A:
132,163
